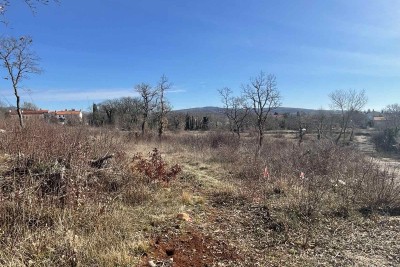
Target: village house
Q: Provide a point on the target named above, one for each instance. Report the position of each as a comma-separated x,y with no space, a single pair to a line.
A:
379,121
67,115
70,116
31,114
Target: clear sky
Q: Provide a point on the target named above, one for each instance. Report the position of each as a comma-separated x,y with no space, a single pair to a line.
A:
93,50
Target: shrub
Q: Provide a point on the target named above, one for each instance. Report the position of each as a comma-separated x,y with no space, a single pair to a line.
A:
217,139
47,169
317,177
154,168
50,186
54,159
386,140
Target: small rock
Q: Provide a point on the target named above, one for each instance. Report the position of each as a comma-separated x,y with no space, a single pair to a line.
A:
184,217
152,264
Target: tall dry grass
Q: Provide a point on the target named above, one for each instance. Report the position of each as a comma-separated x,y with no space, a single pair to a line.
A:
306,185
335,177
57,208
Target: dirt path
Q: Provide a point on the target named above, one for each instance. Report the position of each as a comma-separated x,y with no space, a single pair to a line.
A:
227,229
365,145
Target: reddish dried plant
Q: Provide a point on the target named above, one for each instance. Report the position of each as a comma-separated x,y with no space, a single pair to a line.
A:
154,167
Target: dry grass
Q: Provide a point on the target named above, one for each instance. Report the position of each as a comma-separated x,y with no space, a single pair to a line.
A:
336,179
338,183
56,209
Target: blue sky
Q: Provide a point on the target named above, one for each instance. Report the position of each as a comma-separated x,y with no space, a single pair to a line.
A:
93,50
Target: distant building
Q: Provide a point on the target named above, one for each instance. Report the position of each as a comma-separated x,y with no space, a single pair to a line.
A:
71,116
67,115
30,114
379,121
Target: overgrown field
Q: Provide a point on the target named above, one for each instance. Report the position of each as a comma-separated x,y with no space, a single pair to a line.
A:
79,196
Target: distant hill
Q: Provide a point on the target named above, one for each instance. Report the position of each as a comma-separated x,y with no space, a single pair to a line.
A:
217,110
201,110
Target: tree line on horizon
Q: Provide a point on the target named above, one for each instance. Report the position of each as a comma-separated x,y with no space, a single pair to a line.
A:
255,104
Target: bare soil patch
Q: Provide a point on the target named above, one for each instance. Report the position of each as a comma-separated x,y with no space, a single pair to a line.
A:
231,229
190,247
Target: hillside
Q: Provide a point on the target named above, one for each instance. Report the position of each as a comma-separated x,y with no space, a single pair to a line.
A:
218,110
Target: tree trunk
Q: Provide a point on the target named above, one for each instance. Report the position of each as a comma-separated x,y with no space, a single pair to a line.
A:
340,135
352,134
145,115
161,127
344,133
21,120
345,124
238,131
143,126
109,116
260,137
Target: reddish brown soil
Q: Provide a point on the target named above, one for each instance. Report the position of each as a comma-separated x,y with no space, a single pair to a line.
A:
189,247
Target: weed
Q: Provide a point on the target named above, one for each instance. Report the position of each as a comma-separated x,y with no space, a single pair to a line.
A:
154,168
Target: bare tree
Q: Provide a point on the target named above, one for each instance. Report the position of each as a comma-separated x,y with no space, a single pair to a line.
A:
128,112
32,4
323,122
163,106
392,115
122,112
348,102
320,121
148,95
235,109
109,107
19,61
29,106
263,94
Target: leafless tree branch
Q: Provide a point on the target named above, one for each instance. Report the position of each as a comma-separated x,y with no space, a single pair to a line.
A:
235,109
163,106
263,94
20,62
148,95
347,102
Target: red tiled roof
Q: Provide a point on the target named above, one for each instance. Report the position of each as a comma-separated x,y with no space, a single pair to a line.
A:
66,112
46,111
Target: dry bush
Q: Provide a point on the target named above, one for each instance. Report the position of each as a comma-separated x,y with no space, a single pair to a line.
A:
195,142
217,139
224,147
318,177
386,140
54,160
336,180
310,183
49,184
154,168
378,188
218,146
